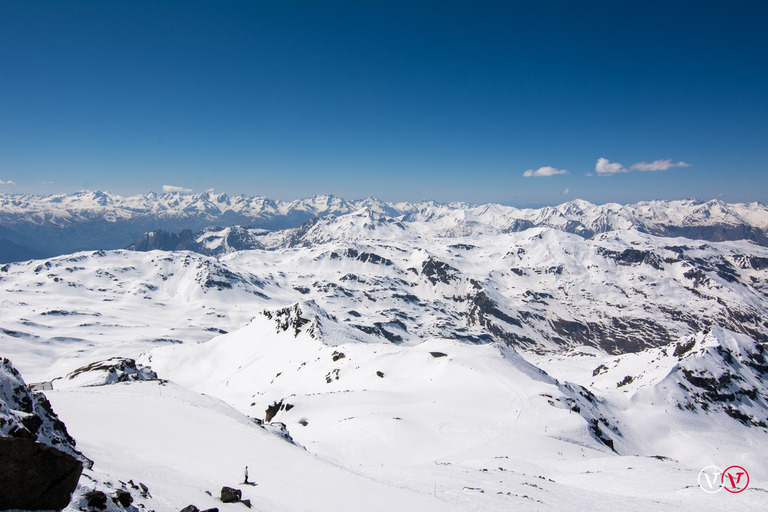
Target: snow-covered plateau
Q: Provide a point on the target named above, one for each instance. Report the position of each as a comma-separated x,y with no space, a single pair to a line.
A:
433,357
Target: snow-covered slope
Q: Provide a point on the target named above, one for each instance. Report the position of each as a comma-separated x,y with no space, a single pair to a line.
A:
180,444
290,365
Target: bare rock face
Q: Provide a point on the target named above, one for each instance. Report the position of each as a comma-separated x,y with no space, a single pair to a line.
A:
39,463
29,415
34,476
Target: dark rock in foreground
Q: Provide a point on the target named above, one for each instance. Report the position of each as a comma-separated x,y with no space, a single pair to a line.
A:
230,495
34,476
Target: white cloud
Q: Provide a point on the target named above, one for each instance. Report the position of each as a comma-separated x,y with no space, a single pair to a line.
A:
603,167
566,191
543,171
173,188
9,182
658,165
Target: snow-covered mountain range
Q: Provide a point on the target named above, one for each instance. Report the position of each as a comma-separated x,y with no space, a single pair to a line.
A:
540,289
426,357
620,290
61,224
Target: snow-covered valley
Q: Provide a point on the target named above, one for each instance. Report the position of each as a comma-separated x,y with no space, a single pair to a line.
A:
430,362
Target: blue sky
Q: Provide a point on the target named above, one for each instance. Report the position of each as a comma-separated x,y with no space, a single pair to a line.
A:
441,100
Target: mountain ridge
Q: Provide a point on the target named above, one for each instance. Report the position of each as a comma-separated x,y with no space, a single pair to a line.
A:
87,220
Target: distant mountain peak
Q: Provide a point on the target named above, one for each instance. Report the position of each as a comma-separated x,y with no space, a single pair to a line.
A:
63,223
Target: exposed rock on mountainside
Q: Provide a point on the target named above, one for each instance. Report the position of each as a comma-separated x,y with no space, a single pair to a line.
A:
39,464
289,318
28,415
722,371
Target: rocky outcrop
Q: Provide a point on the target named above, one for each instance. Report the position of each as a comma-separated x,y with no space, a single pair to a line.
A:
28,415
437,271
39,464
288,318
108,371
722,370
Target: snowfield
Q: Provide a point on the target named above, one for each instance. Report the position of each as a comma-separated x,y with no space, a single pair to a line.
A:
434,360
181,444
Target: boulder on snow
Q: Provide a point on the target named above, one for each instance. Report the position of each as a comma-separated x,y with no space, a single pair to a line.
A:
96,500
123,497
230,495
34,476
